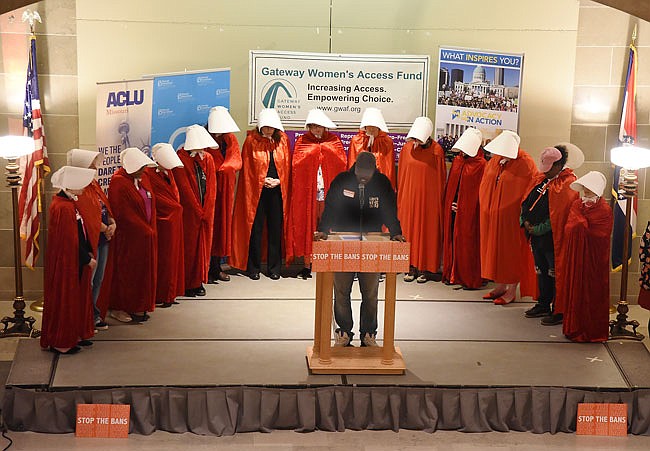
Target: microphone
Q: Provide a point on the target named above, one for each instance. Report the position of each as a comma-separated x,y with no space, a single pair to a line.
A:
362,201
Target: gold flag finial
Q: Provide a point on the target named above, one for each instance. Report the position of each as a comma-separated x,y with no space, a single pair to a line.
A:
31,17
634,36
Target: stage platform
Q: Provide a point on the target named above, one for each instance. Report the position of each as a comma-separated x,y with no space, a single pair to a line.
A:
234,361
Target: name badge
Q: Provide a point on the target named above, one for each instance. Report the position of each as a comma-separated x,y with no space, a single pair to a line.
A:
348,193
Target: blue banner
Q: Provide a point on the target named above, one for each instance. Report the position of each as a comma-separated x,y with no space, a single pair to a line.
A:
480,58
185,99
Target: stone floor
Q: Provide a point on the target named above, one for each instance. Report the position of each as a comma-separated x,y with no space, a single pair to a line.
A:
334,441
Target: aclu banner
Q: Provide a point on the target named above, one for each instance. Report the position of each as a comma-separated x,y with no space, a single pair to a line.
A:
183,99
478,89
341,85
123,120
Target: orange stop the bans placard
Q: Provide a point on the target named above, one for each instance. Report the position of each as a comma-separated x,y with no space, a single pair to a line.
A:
376,253
103,420
602,419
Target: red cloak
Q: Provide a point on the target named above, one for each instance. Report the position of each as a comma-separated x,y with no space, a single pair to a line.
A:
198,219
644,259
91,211
309,154
68,311
505,253
422,174
255,165
461,262
586,257
644,298
383,149
133,254
226,168
560,198
170,279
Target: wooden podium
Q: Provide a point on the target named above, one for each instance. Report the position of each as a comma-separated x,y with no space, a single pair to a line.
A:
346,253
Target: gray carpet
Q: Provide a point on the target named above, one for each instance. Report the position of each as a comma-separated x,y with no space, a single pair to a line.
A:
256,332
633,359
31,367
241,287
503,364
202,363
188,363
291,319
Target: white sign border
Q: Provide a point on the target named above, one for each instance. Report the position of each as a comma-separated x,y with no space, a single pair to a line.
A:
254,55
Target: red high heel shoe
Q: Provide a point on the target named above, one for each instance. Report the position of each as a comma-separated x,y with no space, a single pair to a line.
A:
501,301
508,296
493,295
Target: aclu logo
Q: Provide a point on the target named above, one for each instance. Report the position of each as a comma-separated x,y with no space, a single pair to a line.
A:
165,83
202,108
221,92
455,114
125,98
276,91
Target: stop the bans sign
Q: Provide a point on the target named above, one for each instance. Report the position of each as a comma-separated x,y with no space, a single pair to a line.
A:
360,256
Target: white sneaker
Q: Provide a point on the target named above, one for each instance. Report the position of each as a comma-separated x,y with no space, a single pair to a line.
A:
369,340
341,339
121,316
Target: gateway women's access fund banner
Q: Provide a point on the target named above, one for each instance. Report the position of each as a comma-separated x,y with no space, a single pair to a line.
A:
341,85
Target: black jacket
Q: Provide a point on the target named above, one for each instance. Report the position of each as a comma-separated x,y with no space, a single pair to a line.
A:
343,210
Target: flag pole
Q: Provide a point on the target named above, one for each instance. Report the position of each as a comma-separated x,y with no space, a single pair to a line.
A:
628,186
37,306
31,17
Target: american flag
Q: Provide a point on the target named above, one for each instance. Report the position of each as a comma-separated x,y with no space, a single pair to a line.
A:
627,135
34,167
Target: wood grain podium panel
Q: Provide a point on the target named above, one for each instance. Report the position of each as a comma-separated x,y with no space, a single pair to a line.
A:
344,253
357,360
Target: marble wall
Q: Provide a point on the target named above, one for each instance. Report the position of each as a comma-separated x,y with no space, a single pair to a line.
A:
57,69
602,48
592,78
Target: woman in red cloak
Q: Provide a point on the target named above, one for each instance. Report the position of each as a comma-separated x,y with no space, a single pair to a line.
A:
262,196
133,256
422,174
461,261
318,157
197,186
586,259
98,219
505,254
170,279
227,162
69,262
373,137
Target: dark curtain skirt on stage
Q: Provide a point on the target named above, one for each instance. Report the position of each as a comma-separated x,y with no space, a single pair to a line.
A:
229,410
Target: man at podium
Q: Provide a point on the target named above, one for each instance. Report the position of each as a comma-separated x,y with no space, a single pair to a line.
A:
360,200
